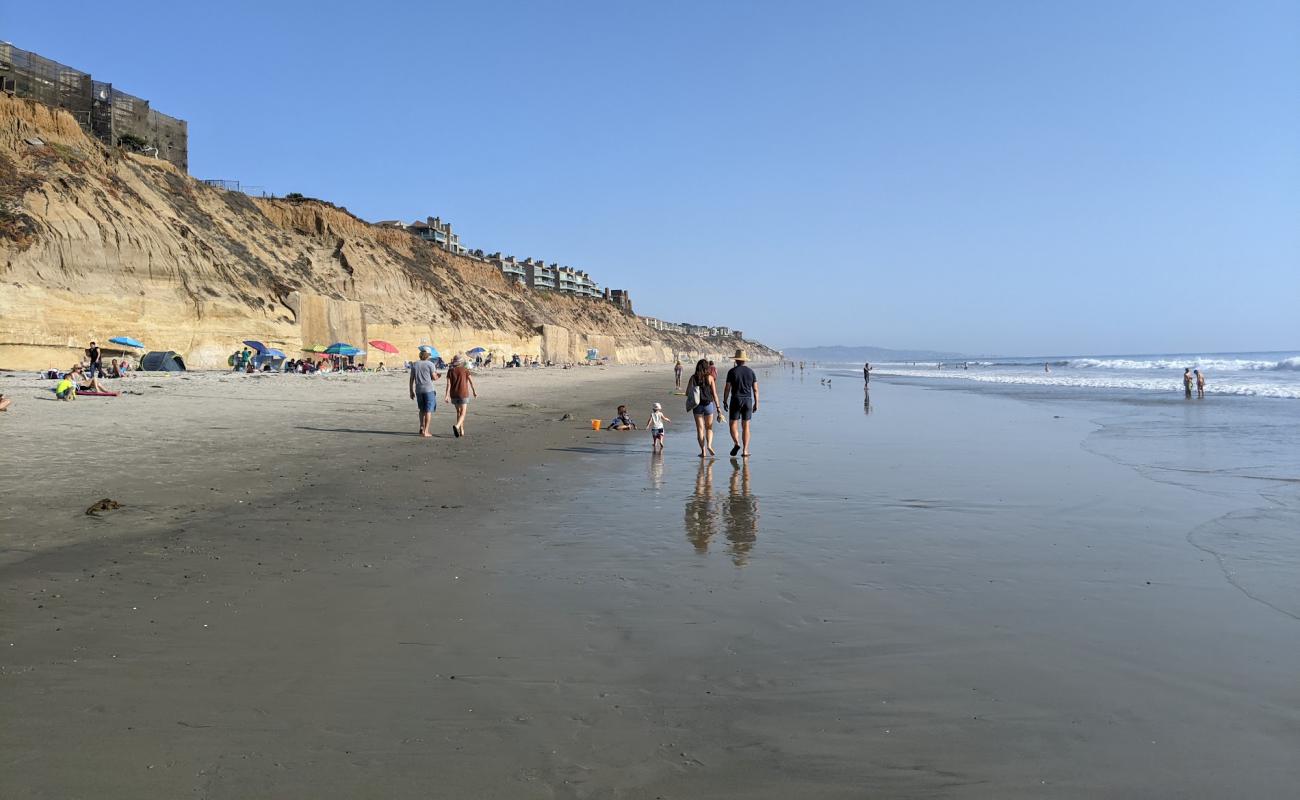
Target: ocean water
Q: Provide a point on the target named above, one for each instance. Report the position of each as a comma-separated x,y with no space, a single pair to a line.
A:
949,572
1264,374
1240,443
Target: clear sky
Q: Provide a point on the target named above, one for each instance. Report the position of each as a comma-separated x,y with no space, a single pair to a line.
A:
986,177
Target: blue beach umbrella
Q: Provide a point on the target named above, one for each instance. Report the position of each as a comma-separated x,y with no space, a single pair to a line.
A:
430,349
127,341
340,349
475,351
271,352
256,346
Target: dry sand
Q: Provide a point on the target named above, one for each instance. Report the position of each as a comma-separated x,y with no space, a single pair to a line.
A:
179,446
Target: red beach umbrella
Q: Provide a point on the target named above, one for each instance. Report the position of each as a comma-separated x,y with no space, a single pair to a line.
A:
380,344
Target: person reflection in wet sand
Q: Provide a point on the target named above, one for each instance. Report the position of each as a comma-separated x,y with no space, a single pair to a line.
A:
866,402
657,469
740,514
701,516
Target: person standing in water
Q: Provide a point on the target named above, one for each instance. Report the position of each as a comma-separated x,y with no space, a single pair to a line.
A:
1187,382
677,374
423,392
866,373
702,399
740,395
1200,383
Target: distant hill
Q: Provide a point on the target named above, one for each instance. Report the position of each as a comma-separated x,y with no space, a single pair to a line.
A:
841,354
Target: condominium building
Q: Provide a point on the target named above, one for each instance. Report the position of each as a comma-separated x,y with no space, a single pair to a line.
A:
434,230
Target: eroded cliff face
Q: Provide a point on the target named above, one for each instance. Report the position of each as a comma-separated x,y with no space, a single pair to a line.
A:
97,243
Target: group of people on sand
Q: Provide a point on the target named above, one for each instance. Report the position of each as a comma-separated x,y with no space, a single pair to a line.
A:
75,381
459,389
739,397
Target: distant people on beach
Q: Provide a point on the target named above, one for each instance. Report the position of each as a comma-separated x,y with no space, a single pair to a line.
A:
622,421
66,388
1200,382
656,426
76,380
460,387
423,391
703,403
866,372
1047,367
96,366
677,374
1187,382
740,395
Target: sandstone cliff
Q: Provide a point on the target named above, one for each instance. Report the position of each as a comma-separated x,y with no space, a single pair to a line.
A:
97,242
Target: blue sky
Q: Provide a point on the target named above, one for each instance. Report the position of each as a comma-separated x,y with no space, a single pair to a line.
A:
988,177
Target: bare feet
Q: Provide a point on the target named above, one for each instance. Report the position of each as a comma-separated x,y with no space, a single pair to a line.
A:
426,435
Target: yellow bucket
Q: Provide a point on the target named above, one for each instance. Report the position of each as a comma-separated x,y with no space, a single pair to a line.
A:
595,424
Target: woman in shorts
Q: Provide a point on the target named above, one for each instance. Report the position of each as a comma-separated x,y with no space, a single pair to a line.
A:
460,386
702,399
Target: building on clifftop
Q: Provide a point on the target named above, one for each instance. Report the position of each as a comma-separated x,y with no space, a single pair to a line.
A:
110,115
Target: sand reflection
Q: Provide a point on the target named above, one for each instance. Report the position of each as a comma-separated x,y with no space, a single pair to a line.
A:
740,513
657,470
701,509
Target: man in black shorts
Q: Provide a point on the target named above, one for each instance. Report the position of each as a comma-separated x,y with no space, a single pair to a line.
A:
740,396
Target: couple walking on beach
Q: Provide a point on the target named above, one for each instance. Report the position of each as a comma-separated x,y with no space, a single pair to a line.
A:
739,396
460,386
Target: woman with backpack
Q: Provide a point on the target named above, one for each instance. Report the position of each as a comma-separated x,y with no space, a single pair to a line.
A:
702,402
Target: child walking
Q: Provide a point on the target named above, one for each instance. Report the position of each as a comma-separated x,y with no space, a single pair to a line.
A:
656,426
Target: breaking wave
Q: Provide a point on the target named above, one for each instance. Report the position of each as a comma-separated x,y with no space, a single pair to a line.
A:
1195,362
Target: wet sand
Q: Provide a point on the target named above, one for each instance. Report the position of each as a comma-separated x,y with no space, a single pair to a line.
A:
947,597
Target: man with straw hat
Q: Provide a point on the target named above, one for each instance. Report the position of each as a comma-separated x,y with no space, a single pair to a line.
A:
740,396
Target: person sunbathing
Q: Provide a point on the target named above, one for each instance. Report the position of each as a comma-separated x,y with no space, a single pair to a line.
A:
85,384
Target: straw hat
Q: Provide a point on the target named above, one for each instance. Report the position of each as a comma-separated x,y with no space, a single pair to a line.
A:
740,356
457,359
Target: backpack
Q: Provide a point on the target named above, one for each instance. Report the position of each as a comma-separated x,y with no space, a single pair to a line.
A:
694,395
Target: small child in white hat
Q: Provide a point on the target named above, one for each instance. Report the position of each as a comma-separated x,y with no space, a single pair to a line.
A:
656,427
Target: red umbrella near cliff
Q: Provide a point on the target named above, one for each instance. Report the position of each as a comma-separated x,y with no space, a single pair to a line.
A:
380,344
